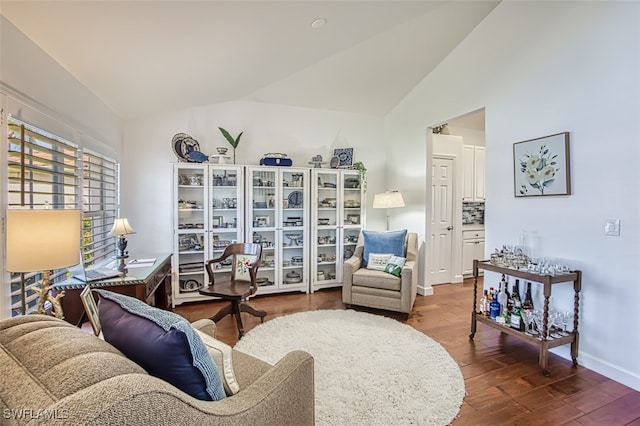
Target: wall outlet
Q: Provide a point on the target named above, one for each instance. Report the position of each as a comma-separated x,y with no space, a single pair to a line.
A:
612,227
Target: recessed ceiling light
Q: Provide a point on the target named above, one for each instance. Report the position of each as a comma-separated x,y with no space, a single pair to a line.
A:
318,23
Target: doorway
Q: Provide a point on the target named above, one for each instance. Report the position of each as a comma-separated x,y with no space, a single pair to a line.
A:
449,140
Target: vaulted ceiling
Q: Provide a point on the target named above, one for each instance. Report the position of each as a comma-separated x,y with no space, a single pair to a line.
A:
148,57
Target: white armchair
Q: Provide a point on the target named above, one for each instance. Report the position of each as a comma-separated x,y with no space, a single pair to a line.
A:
379,289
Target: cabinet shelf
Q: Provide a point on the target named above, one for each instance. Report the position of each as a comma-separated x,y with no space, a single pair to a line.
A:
547,282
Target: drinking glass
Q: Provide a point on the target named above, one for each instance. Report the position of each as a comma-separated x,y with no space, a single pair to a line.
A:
567,317
527,317
538,318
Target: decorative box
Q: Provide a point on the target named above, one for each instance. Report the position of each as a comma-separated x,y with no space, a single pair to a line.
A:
276,161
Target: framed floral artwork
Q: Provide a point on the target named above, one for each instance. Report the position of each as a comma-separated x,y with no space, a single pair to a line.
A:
541,166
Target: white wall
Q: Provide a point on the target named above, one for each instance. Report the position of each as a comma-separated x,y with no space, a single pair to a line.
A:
35,79
541,68
298,132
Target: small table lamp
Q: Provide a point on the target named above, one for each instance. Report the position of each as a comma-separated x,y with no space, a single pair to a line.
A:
42,240
121,228
388,200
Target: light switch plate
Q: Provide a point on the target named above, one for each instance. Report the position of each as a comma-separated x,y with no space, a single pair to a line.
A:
612,227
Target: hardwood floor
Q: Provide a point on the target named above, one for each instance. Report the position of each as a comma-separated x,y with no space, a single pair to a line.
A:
503,382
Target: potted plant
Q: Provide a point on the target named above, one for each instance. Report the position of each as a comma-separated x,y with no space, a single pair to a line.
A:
232,141
362,173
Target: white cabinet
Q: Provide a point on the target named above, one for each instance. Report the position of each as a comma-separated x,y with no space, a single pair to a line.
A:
337,217
472,248
207,216
276,216
473,165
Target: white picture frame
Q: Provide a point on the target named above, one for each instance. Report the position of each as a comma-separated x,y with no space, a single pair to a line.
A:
91,309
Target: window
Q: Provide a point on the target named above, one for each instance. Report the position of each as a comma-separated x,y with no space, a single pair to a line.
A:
99,207
46,171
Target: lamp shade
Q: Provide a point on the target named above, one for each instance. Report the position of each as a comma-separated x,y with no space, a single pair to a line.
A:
388,200
121,227
40,240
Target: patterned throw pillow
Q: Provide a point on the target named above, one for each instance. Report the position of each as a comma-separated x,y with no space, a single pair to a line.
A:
394,266
161,342
377,261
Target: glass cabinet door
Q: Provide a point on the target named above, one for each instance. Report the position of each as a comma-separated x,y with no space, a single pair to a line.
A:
326,225
226,219
293,250
262,221
352,211
190,223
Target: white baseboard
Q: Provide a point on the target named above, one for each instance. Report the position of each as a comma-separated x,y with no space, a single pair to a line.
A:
613,372
425,290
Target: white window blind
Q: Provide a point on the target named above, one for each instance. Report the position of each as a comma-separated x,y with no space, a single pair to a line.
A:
99,207
46,171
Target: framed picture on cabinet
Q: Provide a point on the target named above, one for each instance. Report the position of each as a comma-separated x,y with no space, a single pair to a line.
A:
345,156
541,166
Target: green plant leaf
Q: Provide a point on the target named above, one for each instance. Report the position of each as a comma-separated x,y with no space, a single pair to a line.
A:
233,142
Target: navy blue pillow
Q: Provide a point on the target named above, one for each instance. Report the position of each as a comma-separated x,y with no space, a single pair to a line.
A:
161,342
390,242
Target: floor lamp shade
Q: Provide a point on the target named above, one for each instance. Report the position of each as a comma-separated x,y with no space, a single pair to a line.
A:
40,240
388,200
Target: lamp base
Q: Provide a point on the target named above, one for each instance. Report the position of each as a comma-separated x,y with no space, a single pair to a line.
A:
45,296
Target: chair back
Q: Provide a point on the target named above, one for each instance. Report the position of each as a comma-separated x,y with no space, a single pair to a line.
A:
245,259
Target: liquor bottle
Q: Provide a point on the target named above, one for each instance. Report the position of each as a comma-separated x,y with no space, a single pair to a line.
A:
494,307
528,301
484,303
516,291
515,320
502,295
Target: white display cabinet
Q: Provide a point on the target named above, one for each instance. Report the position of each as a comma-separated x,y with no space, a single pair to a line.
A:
208,215
337,217
277,216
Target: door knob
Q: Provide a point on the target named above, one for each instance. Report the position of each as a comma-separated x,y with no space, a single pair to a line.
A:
449,228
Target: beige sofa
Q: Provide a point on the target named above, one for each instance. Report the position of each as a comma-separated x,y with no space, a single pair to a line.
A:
378,289
53,373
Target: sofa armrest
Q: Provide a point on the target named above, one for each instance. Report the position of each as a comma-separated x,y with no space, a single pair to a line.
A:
206,326
409,285
284,395
351,265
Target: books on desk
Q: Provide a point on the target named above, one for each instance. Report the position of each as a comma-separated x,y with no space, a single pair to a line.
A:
141,263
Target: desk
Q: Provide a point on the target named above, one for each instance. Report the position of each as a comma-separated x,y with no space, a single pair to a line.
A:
151,284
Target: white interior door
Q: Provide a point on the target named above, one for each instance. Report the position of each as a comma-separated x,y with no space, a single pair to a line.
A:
441,220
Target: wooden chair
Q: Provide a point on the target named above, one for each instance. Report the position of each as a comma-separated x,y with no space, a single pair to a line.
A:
245,259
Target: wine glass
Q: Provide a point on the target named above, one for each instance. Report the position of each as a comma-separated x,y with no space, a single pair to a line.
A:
556,322
538,318
527,317
567,317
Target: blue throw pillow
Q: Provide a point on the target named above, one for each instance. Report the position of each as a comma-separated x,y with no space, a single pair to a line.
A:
383,242
161,342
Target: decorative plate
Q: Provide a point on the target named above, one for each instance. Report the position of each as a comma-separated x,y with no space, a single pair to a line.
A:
183,145
295,199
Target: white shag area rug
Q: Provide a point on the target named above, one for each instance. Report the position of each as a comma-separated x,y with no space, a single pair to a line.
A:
369,370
